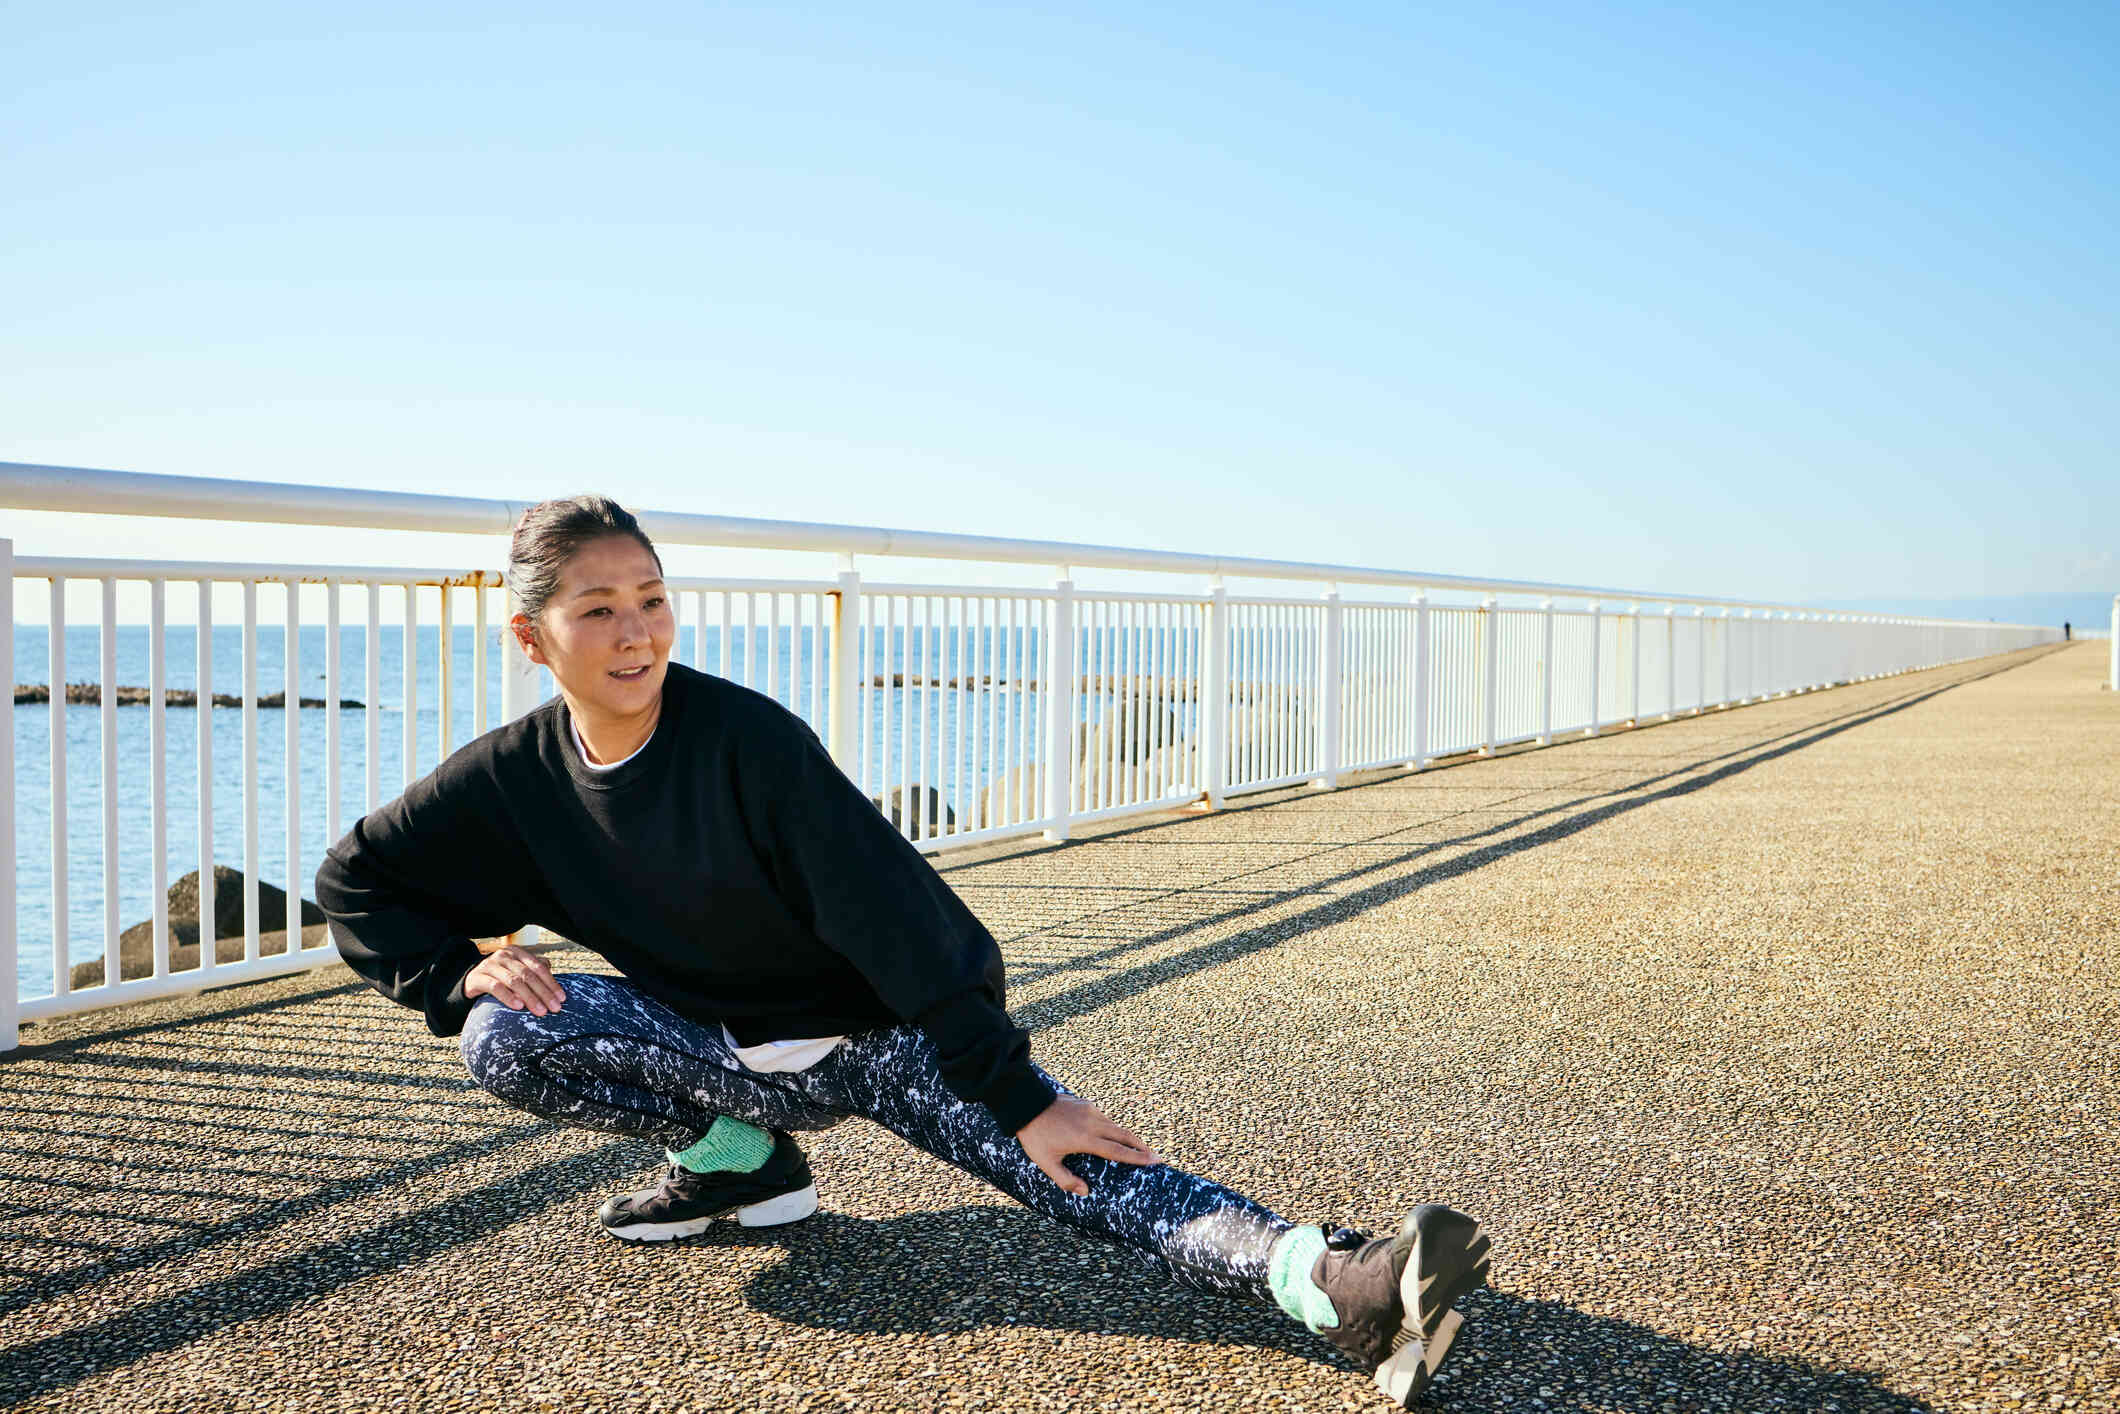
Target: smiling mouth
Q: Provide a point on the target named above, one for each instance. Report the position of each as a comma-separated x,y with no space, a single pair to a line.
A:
630,674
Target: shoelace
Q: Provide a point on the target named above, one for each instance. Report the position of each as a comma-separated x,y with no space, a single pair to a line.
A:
672,1180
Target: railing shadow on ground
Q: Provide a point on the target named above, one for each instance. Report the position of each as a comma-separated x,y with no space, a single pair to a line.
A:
1525,1349
1108,986
1009,1267
256,1212
69,1357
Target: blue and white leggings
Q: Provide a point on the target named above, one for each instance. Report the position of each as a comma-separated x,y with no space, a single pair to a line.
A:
615,1059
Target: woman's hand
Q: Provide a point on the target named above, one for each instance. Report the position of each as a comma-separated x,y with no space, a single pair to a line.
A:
1070,1125
518,978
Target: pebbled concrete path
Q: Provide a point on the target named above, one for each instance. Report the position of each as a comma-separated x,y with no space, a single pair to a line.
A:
1779,1049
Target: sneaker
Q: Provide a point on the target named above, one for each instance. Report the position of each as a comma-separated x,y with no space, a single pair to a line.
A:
1393,1294
683,1203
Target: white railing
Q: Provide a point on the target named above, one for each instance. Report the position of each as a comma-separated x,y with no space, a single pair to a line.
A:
967,712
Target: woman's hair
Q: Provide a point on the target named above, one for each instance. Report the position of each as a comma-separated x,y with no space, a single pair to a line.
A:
551,533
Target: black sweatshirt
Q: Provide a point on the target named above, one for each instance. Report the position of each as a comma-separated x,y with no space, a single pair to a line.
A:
729,869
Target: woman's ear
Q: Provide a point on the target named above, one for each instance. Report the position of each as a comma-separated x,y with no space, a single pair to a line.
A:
526,634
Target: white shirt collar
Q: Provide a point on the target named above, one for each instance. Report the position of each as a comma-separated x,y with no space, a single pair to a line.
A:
583,748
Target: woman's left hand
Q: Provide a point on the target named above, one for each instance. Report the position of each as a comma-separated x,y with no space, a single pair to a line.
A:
1071,1125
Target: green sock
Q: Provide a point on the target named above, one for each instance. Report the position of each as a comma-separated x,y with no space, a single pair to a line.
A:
728,1146
1288,1274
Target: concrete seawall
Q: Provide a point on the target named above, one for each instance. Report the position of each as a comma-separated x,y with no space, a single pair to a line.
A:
1779,1049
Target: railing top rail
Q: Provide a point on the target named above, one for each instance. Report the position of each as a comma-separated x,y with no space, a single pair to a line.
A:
28,486
80,567
684,584
230,571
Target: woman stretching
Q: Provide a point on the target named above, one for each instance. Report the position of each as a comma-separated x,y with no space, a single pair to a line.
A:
787,959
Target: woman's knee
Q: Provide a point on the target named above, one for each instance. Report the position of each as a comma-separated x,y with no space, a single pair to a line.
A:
499,1045
507,1051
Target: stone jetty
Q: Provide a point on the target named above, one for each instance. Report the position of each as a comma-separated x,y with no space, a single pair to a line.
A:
89,694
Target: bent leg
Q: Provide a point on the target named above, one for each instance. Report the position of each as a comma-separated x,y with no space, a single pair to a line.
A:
613,1058
1198,1232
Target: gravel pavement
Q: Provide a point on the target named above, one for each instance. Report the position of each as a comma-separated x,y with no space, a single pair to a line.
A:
1778,1048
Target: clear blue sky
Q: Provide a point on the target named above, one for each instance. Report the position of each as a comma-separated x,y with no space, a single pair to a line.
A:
1802,302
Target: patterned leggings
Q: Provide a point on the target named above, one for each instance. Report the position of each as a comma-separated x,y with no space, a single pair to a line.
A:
614,1058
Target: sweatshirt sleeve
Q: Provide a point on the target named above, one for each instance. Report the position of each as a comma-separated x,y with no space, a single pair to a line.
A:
873,899
407,890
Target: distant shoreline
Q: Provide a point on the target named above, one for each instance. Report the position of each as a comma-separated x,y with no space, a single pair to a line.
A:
90,694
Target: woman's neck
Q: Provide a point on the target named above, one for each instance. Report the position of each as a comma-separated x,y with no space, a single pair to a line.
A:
611,739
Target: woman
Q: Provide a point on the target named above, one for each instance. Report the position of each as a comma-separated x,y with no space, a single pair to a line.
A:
788,960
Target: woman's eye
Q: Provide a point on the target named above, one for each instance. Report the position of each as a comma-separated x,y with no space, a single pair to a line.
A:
656,603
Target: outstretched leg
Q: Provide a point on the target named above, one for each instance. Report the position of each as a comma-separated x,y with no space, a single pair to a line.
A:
1386,1302
1202,1234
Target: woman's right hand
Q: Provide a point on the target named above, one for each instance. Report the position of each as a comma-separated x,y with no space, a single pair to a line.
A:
518,979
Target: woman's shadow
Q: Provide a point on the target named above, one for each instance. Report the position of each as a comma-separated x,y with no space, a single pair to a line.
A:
971,1268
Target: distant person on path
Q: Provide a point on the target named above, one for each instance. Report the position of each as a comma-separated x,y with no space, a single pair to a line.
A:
788,959
2065,634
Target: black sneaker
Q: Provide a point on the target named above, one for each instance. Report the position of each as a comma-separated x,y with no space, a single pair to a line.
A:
1393,1294
684,1202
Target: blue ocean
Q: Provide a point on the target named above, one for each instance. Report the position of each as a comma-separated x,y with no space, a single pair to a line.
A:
793,662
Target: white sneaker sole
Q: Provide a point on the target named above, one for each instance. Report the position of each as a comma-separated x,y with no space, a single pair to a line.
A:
1409,1368
1414,1364
773,1212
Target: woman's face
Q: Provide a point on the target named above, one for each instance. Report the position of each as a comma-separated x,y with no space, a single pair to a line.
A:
606,631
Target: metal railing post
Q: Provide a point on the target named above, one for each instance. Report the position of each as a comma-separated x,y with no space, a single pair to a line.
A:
1729,688
1490,672
1420,680
1670,661
1700,637
840,737
1634,667
1545,673
1744,616
1329,693
1214,697
10,1002
291,682
1059,704
1597,653
250,770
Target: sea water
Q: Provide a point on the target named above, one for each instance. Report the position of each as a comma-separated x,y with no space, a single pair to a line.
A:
791,681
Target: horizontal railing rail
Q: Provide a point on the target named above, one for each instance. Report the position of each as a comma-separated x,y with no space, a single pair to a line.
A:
29,486
966,712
